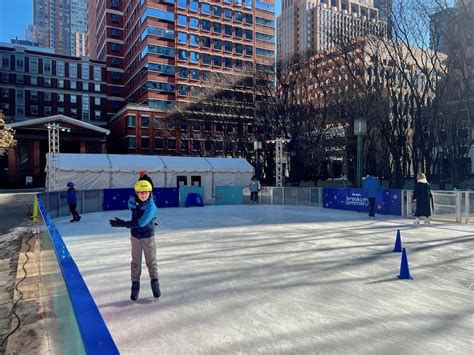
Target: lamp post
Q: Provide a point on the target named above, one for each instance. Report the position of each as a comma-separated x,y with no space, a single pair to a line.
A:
257,145
360,130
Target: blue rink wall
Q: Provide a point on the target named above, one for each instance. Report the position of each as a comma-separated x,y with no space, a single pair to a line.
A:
388,201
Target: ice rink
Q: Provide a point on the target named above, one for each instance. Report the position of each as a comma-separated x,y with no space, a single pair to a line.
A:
267,279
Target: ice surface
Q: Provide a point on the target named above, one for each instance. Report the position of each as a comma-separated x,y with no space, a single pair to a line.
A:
282,279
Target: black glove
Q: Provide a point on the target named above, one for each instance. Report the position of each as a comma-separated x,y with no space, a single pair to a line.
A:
117,222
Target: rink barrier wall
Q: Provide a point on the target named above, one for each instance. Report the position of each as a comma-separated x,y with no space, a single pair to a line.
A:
95,336
455,206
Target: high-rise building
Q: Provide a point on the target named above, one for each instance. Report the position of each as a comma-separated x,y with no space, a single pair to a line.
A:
315,25
162,53
61,25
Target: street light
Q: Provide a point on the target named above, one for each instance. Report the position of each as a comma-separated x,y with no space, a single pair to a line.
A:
360,130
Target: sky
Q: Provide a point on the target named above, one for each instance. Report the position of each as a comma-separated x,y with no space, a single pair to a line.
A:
16,15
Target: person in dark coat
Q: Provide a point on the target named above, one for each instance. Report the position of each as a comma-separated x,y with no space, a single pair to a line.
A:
371,190
424,199
72,202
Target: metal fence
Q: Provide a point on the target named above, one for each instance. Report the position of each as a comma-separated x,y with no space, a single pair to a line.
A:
452,206
303,196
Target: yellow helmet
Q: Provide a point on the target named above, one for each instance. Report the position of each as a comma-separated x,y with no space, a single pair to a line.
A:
143,186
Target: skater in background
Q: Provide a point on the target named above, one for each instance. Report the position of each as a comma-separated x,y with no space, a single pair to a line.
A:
254,189
424,199
142,229
371,189
72,202
145,177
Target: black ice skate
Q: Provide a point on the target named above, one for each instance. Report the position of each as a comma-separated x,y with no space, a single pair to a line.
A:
135,290
155,287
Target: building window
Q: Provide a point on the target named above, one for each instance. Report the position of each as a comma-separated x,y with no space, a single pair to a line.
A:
20,62
85,71
130,121
73,99
60,110
47,111
132,142
182,21
85,86
33,65
60,98
145,143
85,107
60,71
145,121
33,80
73,112
158,143
183,90
47,96
73,70
193,23
97,87
97,115
182,73
34,110
34,95
47,82
20,78
60,83
73,84
97,101
47,66
5,93
97,73
6,61
182,38
205,9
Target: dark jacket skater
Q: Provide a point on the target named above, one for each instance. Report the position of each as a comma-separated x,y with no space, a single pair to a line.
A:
423,197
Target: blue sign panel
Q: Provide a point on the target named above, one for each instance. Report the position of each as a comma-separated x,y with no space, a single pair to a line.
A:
117,199
387,202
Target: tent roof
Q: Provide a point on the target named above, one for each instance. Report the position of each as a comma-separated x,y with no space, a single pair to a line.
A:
230,165
83,162
136,163
57,119
150,163
189,164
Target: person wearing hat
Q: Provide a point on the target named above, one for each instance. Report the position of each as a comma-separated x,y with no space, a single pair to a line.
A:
142,230
144,176
72,202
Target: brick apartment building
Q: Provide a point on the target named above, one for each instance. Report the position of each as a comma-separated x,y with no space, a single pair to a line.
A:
159,54
36,84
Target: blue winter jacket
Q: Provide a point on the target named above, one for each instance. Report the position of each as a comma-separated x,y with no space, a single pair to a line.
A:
371,186
71,196
142,224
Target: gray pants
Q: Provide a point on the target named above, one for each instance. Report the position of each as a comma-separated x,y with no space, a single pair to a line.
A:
148,246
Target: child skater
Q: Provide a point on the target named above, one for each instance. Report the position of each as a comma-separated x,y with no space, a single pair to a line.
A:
142,229
72,202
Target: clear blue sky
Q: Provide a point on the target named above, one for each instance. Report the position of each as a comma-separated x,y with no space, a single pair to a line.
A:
16,15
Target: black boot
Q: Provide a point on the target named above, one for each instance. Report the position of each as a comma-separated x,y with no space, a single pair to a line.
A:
155,287
135,290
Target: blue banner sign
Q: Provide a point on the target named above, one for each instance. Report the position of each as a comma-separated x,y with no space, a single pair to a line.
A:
117,199
388,201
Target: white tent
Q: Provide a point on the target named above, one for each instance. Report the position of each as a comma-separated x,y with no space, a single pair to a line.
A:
103,171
